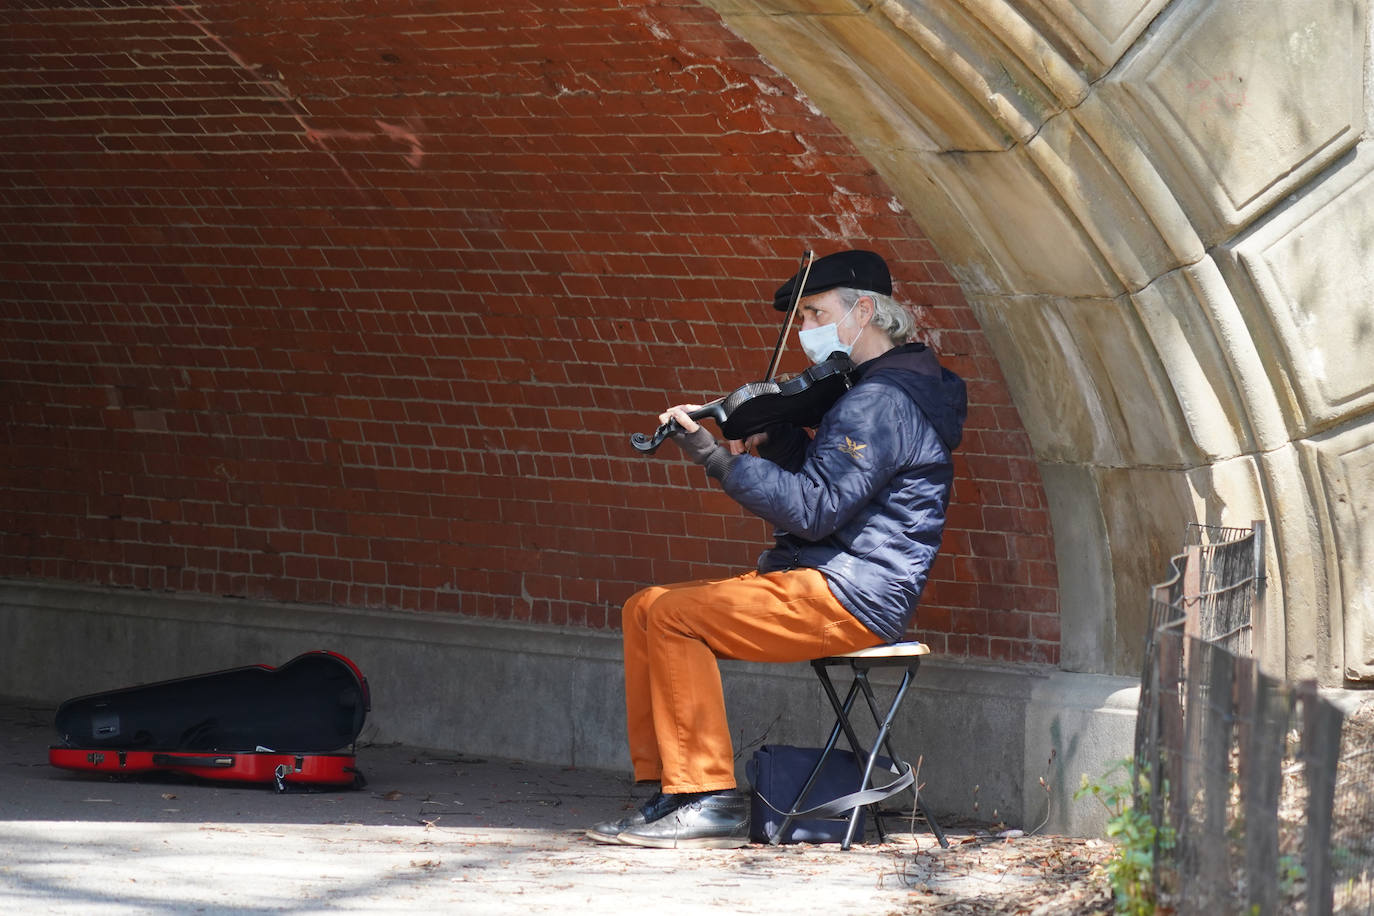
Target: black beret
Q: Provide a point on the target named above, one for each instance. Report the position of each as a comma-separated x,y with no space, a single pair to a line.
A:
855,269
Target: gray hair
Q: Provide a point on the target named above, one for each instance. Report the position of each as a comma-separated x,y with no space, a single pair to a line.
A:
888,316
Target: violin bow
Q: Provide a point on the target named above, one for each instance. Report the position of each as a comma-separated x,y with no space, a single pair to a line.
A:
805,272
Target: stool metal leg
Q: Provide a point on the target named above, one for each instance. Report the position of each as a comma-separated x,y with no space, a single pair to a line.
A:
884,730
872,701
842,711
816,770
892,753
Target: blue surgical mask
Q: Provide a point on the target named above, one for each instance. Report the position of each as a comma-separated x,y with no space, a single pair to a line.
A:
819,342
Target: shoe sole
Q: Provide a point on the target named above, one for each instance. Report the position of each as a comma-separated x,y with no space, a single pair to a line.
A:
704,842
611,839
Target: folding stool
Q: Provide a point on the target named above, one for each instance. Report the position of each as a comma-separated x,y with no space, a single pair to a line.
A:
905,655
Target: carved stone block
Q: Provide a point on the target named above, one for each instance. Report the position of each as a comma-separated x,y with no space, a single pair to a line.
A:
1344,471
873,81
1086,381
1097,31
1174,312
1305,278
970,52
1241,102
728,8
1032,238
1116,197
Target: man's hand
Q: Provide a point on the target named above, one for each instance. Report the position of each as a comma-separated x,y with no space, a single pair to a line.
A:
680,414
694,440
737,447
697,443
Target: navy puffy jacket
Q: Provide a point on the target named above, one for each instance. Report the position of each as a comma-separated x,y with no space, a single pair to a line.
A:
864,501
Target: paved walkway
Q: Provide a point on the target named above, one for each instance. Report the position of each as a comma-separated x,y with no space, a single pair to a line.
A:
432,832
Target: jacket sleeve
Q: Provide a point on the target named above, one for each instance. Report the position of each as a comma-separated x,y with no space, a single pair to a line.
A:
860,445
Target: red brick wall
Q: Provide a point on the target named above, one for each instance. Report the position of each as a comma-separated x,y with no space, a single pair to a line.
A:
359,305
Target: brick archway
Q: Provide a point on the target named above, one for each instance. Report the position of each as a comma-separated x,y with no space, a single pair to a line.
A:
360,307
332,327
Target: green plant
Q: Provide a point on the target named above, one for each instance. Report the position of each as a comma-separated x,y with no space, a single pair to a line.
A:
1291,873
1129,826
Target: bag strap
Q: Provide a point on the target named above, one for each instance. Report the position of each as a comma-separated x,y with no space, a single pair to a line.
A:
847,803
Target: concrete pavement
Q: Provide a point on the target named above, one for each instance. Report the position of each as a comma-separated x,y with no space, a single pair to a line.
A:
432,832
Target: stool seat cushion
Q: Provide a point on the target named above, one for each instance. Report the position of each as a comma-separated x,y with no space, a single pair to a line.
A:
891,650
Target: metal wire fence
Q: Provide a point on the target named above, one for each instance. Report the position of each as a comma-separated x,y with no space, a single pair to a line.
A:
1262,802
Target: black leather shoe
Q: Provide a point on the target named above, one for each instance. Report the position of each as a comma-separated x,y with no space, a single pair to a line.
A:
657,806
712,820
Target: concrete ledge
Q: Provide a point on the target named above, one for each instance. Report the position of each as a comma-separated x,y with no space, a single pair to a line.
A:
986,736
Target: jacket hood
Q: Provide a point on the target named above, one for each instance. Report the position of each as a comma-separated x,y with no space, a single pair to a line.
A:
939,393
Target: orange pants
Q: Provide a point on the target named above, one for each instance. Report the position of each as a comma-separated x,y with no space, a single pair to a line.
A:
674,705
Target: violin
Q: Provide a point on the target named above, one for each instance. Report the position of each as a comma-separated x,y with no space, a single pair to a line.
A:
800,401
752,408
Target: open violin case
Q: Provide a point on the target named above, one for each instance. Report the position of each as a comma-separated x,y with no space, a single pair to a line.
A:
295,724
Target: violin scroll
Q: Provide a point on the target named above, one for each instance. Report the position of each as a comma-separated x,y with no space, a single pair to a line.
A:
647,445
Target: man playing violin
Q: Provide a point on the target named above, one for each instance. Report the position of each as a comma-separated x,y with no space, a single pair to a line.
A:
859,510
